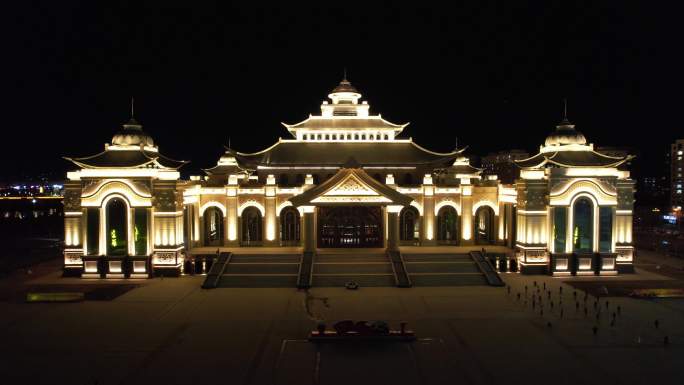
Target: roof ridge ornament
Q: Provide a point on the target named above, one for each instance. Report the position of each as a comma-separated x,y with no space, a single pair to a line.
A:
132,123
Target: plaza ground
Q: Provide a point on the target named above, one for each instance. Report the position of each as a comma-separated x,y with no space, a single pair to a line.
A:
170,331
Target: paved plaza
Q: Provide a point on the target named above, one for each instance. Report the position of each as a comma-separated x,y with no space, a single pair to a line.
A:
170,331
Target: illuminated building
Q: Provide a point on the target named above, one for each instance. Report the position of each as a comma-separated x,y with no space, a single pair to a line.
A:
676,174
123,210
574,208
345,178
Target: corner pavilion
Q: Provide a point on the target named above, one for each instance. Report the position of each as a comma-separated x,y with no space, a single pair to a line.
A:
345,179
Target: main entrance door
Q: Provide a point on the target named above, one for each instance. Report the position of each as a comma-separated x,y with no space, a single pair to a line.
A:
350,227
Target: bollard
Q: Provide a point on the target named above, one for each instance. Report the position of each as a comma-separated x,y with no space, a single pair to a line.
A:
548,324
656,324
595,330
607,304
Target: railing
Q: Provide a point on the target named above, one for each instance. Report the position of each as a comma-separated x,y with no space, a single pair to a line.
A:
401,277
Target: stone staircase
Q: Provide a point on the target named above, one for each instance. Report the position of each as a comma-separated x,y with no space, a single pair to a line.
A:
366,268
255,270
443,270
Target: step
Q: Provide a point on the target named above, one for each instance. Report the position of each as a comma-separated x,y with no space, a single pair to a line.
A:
337,280
441,267
448,279
352,268
437,258
262,268
243,280
265,258
351,258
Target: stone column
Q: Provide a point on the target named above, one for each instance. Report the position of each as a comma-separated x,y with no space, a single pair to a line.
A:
429,228
231,217
467,231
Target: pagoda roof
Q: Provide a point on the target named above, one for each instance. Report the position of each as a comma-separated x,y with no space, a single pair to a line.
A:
585,158
316,154
347,123
351,185
465,169
128,158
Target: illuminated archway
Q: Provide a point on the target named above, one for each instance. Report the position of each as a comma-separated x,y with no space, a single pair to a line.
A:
289,226
409,224
583,225
116,226
251,220
447,225
213,226
484,225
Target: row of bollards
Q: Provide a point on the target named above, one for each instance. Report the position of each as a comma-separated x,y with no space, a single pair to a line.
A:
536,295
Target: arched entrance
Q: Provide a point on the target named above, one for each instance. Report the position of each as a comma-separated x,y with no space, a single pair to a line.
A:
289,226
213,227
484,226
583,226
117,227
447,226
409,225
350,227
251,227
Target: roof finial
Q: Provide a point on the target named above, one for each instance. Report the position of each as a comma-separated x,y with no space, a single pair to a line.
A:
344,78
228,141
132,107
565,109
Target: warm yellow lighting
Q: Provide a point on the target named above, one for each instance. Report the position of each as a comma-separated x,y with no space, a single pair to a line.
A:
252,203
487,203
218,205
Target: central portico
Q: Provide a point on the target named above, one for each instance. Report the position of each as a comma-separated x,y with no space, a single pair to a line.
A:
351,209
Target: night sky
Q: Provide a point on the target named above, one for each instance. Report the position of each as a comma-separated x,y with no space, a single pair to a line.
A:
493,77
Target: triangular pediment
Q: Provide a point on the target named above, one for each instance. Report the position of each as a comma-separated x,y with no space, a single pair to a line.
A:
351,189
351,186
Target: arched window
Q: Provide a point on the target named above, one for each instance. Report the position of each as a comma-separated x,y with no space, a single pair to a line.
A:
386,137
356,136
117,228
289,226
484,226
327,136
251,227
409,224
213,227
583,226
447,226
349,136
363,137
306,136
